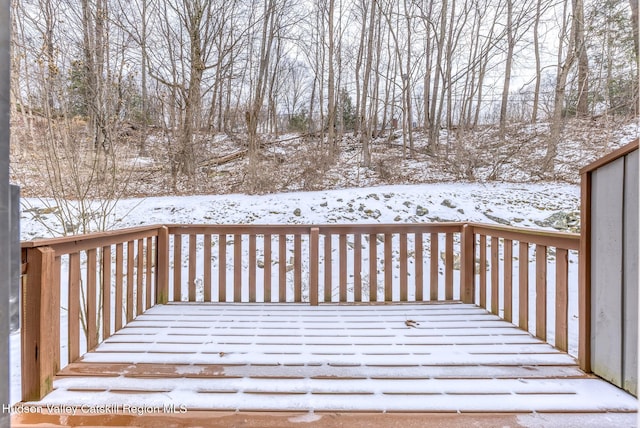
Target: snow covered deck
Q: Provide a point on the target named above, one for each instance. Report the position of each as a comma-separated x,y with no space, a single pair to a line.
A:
448,357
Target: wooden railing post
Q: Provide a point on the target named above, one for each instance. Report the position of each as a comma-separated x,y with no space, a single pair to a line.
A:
162,266
313,266
584,275
467,265
41,324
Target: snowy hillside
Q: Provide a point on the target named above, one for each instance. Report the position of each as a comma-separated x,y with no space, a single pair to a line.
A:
526,205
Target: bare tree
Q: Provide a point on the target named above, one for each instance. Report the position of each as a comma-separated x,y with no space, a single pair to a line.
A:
365,119
582,106
561,84
511,43
635,23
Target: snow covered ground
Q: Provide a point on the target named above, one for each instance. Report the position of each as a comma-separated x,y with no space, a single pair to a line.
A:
525,205
516,204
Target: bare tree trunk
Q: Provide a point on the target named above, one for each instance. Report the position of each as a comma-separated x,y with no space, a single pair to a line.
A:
375,99
536,51
557,120
434,131
406,79
507,73
331,98
636,28
428,119
143,80
266,42
365,121
359,59
582,107
448,69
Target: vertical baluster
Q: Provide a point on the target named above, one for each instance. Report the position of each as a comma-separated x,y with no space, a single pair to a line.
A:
140,278
162,266
483,271
373,267
119,285
313,266
252,267
237,268
92,327
130,280
357,267
343,267
328,268
149,272
434,280
282,261
508,280
523,286
403,268
468,264
541,292
419,267
495,278
177,267
297,268
74,307
388,267
562,301
106,292
222,268
206,280
267,268
192,267
448,266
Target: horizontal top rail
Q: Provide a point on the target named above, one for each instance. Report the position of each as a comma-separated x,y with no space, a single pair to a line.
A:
83,242
75,243
569,241
297,229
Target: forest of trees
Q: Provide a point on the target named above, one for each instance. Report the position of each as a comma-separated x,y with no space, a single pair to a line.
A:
185,69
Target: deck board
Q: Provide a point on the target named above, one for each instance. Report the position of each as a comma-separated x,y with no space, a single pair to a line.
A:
335,358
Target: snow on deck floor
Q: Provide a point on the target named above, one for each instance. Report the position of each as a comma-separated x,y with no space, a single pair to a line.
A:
246,357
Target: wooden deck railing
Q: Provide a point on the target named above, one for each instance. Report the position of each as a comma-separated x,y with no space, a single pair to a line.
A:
549,253
315,264
103,281
75,296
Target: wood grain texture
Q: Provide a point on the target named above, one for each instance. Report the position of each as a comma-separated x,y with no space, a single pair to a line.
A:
562,299
357,267
237,268
483,271
267,268
508,280
523,285
328,269
495,276
40,324
105,255
131,281
73,306
177,268
91,304
314,265
222,268
434,268
206,261
193,265
448,267
541,292
119,286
